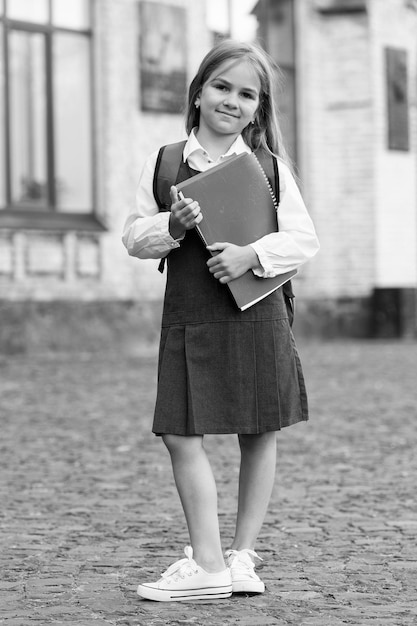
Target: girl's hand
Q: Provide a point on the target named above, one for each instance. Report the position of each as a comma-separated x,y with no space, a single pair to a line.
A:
185,214
231,261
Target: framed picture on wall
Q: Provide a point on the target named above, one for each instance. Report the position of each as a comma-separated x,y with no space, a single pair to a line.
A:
397,99
163,56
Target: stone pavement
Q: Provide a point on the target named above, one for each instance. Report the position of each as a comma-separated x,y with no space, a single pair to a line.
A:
88,506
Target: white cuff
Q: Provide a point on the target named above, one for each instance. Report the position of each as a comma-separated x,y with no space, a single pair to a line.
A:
165,235
265,269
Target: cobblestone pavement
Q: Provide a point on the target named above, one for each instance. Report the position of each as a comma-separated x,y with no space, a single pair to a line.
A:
88,506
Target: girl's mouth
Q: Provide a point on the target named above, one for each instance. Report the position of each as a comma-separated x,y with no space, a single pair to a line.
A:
228,114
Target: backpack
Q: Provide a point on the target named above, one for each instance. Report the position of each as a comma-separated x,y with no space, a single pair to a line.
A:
167,165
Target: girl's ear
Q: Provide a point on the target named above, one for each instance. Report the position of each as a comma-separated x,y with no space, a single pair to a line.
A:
197,102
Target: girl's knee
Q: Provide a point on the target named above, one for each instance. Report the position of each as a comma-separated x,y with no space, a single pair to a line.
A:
179,443
259,440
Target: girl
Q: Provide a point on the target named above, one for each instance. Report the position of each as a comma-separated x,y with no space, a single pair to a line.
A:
222,370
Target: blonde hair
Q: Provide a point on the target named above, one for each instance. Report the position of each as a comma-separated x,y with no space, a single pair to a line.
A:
265,132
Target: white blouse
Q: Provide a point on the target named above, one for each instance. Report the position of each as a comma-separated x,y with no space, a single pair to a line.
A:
146,233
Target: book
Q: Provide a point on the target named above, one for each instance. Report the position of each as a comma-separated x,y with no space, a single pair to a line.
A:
238,206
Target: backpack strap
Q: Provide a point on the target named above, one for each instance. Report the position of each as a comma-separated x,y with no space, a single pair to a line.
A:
167,165
269,165
166,170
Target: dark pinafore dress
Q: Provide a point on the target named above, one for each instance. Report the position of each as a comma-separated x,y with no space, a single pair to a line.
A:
222,370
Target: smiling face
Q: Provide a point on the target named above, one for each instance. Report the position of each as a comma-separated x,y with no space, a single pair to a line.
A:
228,100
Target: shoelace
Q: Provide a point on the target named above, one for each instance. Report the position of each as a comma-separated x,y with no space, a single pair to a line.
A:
181,568
240,559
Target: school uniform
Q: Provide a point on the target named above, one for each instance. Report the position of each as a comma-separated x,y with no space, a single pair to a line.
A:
222,370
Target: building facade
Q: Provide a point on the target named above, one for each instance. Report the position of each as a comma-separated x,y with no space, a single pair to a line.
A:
87,93
74,135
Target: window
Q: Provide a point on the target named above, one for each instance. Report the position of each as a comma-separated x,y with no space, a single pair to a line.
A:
74,14
2,126
277,34
73,172
46,129
397,99
27,127
28,10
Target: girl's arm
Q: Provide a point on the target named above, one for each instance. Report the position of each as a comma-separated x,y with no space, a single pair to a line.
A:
146,233
296,242
276,253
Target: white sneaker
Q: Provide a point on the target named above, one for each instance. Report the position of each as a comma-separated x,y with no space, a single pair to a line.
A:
185,580
242,569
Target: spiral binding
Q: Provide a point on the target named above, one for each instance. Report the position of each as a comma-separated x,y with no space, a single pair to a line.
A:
271,191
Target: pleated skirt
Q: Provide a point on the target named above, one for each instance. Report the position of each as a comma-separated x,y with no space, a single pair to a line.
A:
228,377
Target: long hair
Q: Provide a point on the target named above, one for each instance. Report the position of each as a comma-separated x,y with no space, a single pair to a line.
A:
265,132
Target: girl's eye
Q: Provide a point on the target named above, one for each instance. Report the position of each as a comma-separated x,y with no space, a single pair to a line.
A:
248,95
220,86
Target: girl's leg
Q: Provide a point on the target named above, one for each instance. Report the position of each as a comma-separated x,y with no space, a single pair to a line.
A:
197,490
256,480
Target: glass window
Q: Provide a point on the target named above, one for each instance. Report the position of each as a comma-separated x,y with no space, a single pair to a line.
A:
285,98
46,142
277,30
217,16
398,99
28,119
28,10
72,123
74,14
2,127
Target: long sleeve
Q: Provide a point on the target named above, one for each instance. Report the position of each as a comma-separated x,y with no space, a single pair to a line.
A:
296,242
146,230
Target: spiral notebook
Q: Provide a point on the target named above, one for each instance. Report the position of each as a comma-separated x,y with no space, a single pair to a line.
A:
238,206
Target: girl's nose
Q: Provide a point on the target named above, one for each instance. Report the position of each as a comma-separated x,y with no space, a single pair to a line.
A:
230,100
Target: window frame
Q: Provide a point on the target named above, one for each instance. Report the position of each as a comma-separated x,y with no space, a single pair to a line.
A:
48,218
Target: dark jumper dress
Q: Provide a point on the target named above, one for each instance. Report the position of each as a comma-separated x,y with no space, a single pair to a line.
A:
222,370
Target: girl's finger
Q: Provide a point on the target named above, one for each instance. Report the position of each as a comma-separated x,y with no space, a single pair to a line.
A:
192,208
190,216
213,262
173,192
218,245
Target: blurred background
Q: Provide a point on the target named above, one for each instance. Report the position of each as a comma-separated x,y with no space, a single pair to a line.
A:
89,88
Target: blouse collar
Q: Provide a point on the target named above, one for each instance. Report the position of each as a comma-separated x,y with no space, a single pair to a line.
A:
193,146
